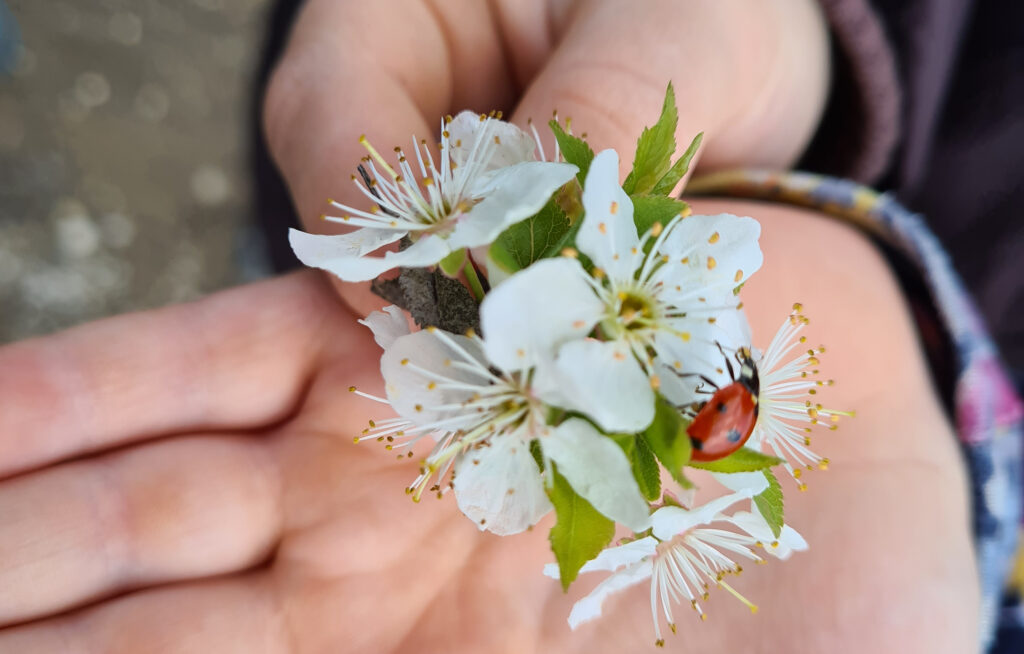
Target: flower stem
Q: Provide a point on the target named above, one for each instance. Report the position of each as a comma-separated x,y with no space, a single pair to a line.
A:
473,279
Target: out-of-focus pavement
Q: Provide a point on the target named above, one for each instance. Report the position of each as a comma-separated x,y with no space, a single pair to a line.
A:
123,157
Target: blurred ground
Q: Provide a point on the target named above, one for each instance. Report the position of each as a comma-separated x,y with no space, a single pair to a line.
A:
123,136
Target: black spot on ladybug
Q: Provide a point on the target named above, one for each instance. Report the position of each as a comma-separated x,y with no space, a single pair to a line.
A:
720,407
734,436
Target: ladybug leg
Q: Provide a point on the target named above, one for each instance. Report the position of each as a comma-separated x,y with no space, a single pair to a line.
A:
703,379
728,363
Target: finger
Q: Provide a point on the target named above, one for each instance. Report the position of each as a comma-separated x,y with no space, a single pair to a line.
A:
237,359
751,75
224,615
178,509
389,70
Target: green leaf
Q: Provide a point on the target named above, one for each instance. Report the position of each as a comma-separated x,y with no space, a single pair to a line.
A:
669,441
452,264
532,239
650,209
643,463
770,504
742,460
580,531
654,149
574,150
678,169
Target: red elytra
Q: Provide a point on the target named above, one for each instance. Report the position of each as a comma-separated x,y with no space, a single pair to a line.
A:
725,422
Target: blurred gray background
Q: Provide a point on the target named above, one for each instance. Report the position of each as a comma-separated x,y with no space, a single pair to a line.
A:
123,156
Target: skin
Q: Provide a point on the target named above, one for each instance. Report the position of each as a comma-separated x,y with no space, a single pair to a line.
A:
184,480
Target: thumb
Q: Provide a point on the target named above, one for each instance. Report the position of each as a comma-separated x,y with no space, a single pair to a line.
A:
750,74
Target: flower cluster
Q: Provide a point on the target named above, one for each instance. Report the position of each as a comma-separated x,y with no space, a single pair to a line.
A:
601,341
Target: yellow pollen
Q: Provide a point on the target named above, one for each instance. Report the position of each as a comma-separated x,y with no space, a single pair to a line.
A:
601,227
797,473
655,382
579,324
520,352
713,238
712,263
570,252
823,464
419,407
431,386
656,229
798,307
685,336
622,295
738,276
599,273
684,260
803,339
802,487
351,389
614,208
405,362
619,356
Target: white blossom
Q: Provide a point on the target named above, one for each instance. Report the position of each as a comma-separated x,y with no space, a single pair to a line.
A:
652,301
683,557
486,179
788,406
483,420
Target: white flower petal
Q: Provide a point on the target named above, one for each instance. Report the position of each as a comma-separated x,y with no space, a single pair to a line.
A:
499,487
511,145
413,361
753,482
721,251
598,470
513,194
589,607
336,255
699,353
756,526
603,380
387,325
612,558
669,521
533,312
356,243
608,235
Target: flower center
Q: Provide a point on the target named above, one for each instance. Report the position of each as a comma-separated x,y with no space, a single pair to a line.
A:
635,311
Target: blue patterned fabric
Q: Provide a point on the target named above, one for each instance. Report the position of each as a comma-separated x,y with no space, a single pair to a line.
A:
986,410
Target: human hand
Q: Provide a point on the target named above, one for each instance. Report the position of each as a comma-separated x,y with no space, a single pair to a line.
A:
184,481
750,74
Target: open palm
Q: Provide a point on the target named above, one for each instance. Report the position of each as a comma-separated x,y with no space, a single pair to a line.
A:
185,481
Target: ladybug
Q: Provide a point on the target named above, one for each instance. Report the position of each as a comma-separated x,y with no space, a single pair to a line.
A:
724,423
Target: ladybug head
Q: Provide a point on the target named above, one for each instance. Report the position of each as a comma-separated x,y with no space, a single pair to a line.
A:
748,371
